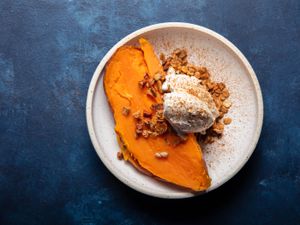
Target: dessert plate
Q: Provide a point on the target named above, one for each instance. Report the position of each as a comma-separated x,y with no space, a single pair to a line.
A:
225,157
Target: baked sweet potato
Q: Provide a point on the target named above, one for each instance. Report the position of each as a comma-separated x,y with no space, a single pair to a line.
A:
184,165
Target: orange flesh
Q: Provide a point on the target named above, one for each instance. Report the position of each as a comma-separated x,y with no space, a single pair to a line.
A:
184,165
152,61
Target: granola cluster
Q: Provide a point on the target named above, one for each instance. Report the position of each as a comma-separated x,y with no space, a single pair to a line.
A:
219,92
153,85
150,123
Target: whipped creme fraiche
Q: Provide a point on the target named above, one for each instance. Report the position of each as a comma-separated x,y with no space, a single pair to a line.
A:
188,106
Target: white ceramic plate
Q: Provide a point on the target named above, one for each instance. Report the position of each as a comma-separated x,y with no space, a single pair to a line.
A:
226,63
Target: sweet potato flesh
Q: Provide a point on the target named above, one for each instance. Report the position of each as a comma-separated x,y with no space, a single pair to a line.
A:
184,165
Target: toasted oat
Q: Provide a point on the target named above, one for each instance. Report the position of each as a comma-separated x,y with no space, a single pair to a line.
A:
160,127
227,121
161,154
125,111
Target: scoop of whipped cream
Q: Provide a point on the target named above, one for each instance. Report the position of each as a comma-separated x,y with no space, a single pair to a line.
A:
188,106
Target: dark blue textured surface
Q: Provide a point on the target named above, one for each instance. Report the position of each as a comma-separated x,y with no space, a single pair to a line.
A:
49,171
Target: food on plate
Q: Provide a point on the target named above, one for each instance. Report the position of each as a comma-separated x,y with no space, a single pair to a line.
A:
151,137
218,90
188,106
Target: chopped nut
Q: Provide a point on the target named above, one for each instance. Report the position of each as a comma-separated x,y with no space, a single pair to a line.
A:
154,134
142,84
221,115
227,103
218,103
224,109
177,51
221,86
166,66
125,111
145,133
139,126
146,76
161,154
151,92
202,69
159,115
225,93
204,76
157,76
120,155
137,115
222,97
184,61
227,121
182,54
147,122
152,82
209,85
159,87
218,90
192,69
184,69
162,57
157,106
218,128
197,74
138,131
147,113
208,140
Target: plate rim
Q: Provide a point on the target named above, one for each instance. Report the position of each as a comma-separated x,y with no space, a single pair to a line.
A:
96,76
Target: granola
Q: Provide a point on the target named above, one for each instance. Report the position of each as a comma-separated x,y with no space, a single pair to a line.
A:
218,91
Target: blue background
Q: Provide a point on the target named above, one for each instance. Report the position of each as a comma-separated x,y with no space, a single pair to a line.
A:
49,171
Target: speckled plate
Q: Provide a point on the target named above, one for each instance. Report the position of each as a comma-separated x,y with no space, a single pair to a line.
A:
226,63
